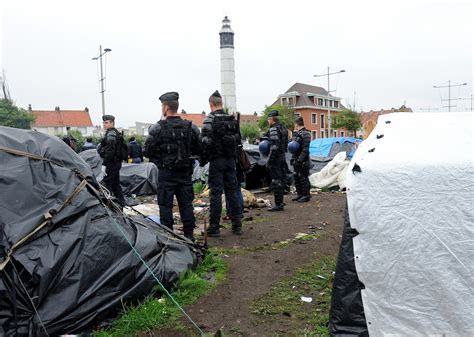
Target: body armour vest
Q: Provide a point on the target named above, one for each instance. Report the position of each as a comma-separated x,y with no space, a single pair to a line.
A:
174,142
225,135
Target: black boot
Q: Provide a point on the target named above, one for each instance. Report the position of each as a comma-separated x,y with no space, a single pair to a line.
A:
189,236
214,231
237,227
297,197
304,198
276,208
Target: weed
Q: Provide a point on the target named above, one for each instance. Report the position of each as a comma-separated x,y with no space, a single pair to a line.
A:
198,187
312,280
155,313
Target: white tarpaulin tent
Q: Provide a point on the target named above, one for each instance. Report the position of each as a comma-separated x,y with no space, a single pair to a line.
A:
410,192
333,174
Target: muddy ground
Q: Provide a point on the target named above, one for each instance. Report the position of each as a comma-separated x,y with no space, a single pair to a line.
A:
265,254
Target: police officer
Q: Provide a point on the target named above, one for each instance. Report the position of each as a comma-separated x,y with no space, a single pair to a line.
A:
221,137
301,161
171,143
278,137
111,151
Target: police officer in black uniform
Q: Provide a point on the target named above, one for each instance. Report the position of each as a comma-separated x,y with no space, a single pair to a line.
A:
111,152
171,144
221,137
301,161
278,137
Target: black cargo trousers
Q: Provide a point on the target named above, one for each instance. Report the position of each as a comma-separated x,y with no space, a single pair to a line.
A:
223,178
176,182
112,179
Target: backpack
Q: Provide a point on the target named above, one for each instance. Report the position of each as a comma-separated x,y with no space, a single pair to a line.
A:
123,149
174,143
225,135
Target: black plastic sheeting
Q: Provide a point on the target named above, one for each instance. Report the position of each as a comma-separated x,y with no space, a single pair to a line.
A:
79,268
139,179
346,317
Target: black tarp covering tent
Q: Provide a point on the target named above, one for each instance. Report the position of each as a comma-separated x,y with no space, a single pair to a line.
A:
347,317
65,258
138,179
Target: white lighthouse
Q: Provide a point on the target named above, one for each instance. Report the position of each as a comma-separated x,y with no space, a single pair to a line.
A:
227,66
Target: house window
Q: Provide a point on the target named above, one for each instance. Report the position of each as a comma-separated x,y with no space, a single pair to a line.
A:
314,119
322,134
313,135
284,101
325,102
322,120
336,104
342,133
334,133
320,101
297,114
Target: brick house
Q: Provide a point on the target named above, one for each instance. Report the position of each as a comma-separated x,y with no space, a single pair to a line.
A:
59,122
368,119
312,103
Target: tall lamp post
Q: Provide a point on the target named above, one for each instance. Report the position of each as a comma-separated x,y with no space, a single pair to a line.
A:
102,90
329,96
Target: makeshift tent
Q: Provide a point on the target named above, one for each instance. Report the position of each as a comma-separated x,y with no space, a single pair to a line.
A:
329,147
333,174
405,267
65,257
138,179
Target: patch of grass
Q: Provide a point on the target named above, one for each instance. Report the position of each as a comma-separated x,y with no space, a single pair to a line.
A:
155,313
284,299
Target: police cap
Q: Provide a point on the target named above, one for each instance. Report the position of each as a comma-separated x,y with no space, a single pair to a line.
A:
299,120
273,113
216,94
169,97
108,118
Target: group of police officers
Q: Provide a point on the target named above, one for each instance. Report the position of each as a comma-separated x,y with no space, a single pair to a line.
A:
173,144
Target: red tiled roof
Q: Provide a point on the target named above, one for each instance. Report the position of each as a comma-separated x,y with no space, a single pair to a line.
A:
374,115
249,118
62,118
197,119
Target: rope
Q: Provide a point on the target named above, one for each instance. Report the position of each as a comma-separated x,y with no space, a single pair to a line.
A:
31,300
151,272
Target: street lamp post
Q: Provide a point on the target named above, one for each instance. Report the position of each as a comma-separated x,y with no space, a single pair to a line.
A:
102,90
329,97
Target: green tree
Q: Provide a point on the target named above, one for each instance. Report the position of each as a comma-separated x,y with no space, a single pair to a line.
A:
287,116
249,131
347,119
77,135
13,116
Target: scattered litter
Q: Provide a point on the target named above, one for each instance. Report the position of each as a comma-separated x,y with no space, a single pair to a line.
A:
306,299
293,287
300,235
161,300
321,277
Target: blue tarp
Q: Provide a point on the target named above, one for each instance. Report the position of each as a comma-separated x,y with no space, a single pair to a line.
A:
321,147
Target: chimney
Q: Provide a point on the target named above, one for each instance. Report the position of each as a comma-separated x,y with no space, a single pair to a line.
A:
57,108
30,108
183,111
86,109
203,112
255,113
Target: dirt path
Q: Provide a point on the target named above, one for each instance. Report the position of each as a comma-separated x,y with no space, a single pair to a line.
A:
258,259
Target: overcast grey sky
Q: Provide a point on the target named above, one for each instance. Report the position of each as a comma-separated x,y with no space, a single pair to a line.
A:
392,51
